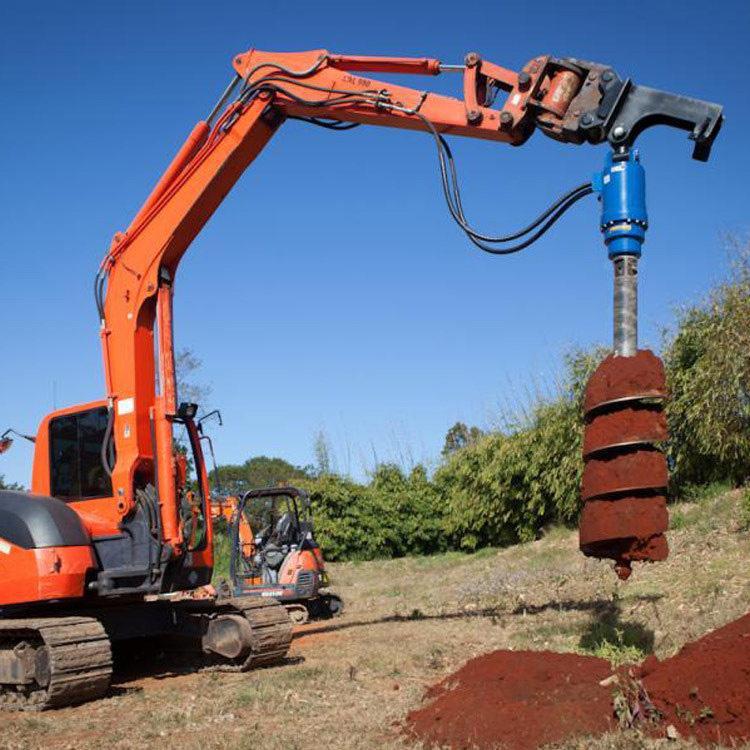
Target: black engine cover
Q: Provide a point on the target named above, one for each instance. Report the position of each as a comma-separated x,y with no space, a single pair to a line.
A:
34,521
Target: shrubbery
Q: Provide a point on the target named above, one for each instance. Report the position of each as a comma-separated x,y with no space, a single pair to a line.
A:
503,487
394,515
708,369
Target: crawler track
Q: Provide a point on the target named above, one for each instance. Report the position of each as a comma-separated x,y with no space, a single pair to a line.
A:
272,631
79,656
74,655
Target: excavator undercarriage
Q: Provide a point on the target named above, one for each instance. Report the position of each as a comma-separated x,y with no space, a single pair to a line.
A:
51,662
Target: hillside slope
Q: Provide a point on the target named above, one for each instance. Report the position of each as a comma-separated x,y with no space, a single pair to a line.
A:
411,622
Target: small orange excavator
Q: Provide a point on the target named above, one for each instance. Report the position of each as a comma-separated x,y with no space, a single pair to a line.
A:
112,528
282,560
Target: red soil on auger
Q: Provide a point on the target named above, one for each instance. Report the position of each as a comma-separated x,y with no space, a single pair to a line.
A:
524,699
626,378
625,473
630,528
641,469
625,427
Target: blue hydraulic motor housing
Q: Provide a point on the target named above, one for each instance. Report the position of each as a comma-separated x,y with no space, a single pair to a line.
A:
621,186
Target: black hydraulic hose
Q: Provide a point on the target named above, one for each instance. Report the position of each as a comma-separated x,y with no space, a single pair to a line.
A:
96,296
448,176
329,124
99,281
451,192
534,237
106,451
157,498
575,193
283,69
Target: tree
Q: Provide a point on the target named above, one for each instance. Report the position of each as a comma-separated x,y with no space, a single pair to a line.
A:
9,486
260,471
186,365
459,436
322,451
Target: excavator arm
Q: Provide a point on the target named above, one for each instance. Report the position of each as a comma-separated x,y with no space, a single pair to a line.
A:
569,100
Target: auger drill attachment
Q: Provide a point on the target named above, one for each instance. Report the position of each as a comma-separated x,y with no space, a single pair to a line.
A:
624,516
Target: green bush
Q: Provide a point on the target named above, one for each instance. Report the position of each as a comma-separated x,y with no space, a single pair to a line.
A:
347,526
222,551
412,509
394,515
504,487
707,359
745,510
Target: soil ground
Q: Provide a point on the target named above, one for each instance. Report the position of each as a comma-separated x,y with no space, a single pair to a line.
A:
411,622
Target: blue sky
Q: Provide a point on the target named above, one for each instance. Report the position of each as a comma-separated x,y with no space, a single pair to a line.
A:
331,290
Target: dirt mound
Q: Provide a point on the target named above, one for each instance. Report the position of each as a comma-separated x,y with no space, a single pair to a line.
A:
704,690
525,699
517,699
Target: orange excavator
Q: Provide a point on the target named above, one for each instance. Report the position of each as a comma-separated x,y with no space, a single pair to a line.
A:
112,529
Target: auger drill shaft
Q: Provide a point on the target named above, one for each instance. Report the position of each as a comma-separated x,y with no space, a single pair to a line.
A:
624,516
625,324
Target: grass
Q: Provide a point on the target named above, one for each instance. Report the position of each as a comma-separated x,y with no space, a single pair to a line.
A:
745,510
222,552
409,623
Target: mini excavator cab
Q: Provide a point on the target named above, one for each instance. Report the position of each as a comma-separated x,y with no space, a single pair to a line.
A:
283,561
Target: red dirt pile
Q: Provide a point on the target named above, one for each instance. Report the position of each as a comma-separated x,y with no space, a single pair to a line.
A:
704,690
516,699
524,699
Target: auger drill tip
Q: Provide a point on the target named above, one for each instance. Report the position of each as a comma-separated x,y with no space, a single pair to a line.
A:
623,569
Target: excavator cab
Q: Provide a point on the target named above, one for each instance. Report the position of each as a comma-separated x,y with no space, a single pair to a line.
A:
123,549
274,553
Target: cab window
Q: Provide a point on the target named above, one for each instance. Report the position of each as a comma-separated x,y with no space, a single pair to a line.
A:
76,471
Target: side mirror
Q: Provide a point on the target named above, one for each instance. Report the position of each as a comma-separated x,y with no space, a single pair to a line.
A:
6,442
212,414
